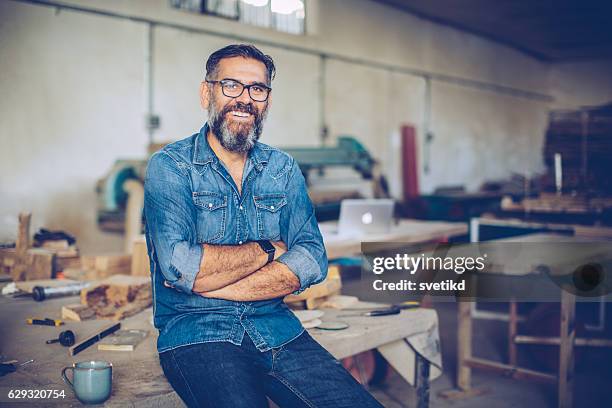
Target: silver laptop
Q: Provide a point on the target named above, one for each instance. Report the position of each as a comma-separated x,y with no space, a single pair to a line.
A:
365,216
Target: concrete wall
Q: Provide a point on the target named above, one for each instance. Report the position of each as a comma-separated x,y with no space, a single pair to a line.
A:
74,97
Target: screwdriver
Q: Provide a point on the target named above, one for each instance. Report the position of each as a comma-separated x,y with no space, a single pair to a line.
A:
45,322
393,310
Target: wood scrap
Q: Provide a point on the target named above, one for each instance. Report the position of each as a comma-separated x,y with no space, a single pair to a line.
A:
80,274
315,295
118,296
7,260
64,260
102,266
23,242
25,263
77,312
30,263
140,258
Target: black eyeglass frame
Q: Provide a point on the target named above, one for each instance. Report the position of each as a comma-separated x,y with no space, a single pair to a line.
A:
247,87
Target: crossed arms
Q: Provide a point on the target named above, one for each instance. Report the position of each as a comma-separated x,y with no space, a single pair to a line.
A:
240,273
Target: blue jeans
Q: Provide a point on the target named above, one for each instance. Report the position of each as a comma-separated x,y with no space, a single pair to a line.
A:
300,373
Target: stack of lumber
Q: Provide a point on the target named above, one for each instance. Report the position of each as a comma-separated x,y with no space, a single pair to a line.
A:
50,256
584,140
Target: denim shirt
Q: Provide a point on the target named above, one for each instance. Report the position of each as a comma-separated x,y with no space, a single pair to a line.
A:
191,199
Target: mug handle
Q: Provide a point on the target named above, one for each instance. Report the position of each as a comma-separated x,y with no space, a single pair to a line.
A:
65,377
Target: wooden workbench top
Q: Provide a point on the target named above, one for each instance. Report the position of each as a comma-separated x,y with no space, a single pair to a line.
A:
137,376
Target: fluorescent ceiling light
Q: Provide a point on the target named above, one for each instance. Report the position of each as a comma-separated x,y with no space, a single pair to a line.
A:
256,3
287,6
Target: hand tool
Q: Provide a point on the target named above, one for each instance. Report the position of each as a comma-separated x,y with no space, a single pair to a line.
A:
66,338
45,322
387,311
393,310
11,366
40,293
97,336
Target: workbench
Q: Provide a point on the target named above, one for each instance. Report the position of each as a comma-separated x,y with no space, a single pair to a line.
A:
138,380
524,266
405,232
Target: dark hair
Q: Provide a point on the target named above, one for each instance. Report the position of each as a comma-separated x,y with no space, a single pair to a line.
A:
239,50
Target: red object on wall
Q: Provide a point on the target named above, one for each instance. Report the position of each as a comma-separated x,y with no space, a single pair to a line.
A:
410,176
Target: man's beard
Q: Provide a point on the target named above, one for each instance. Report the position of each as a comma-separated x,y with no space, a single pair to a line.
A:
243,139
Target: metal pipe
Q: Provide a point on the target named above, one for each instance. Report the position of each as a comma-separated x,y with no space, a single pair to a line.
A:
322,83
149,80
451,79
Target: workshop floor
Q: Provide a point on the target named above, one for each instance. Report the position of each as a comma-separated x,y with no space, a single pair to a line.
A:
592,389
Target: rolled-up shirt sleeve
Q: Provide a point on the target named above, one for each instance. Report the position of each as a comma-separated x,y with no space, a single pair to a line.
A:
305,255
171,221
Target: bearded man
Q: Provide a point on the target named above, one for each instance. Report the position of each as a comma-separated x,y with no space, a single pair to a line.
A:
231,231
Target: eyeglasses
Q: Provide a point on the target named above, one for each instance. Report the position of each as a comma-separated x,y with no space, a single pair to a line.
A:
233,89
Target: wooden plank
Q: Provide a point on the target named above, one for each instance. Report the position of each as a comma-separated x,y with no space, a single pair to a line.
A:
103,266
133,212
510,371
566,350
23,234
140,258
40,264
77,312
464,345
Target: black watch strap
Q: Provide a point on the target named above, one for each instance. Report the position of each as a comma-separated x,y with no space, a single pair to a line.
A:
268,248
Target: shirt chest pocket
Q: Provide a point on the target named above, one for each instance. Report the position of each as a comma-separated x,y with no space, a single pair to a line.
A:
268,208
212,214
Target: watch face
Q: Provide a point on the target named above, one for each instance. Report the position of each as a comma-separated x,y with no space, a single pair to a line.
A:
266,246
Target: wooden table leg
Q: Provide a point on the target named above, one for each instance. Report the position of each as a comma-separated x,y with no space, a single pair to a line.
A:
512,323
566,349
422,381
464,345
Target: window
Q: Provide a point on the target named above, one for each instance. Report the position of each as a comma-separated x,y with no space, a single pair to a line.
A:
282,15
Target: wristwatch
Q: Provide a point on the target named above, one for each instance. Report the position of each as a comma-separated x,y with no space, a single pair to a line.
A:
268,248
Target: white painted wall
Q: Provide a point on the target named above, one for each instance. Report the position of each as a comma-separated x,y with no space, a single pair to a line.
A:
74,97
580,84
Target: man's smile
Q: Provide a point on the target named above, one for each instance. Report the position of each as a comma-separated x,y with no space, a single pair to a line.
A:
240,114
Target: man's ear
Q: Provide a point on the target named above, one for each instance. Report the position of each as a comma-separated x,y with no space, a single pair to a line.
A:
204,95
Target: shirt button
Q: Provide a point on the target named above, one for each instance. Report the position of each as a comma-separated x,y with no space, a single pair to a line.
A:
240,242
271,207
209,205
241,208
